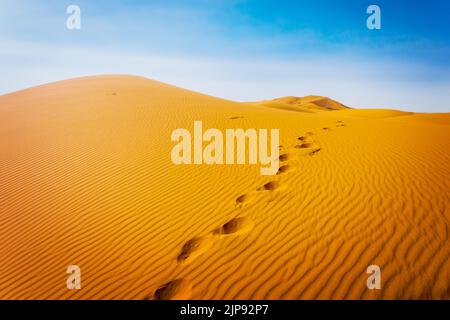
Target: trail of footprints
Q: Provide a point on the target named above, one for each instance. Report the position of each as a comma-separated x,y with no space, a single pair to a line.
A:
179,289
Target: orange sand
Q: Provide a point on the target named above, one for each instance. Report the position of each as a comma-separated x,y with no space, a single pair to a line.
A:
86,178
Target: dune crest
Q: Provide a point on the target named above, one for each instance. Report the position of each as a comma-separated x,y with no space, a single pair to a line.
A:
303,104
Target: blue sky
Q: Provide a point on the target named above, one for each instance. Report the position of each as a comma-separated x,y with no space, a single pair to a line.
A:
240,50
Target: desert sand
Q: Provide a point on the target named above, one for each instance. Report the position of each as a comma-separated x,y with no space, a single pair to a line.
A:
86,178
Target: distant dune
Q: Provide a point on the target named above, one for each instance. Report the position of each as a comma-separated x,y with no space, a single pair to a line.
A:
303,104
87,179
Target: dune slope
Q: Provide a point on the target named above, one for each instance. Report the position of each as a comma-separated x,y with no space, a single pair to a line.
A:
87,179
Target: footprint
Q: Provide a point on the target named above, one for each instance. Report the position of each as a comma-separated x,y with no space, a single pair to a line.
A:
304,146
178,289
236,117
285,157
242,199
315,151
193,248
310,133
302,138
284,169
270,186
235,226
245,199
326,129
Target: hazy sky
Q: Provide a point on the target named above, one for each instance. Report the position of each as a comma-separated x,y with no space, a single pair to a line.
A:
240,50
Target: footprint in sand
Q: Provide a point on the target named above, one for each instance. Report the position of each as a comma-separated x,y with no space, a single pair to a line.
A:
273,187
235,226
178,289
193,248
339,123
326,129
305,145
236,117
242,199
285,157
307,137
283,169
315,151
245,199
270,186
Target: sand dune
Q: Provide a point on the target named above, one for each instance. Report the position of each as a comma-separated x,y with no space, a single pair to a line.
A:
303,104
87,179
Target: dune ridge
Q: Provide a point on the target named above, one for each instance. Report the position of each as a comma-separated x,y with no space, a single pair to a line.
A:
86,179
309,104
